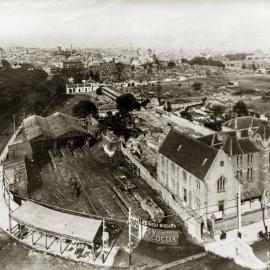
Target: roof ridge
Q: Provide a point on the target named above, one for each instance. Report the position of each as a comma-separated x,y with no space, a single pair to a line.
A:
193,139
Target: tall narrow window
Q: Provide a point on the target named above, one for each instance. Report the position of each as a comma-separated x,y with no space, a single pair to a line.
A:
239,174
185,194
198,203
239,161
250,174
163,161
198,184
221,184
250,158
173,169
221,206
184,175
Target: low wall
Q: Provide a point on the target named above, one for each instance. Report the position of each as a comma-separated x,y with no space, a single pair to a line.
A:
192,224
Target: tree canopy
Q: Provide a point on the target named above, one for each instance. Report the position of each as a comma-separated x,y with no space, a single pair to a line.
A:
203,61
197,86
240,108
127,102
84,108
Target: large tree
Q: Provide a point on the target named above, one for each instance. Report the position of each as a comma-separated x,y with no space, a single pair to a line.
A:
127,102
240,108
84,108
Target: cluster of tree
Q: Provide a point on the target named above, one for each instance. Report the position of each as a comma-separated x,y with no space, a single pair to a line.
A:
94,75
240,108
127,103
117,123
236,56
171,64
84,108
27,89
203,61
197,86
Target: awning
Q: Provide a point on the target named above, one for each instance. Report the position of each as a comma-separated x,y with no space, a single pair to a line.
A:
55,222
250,194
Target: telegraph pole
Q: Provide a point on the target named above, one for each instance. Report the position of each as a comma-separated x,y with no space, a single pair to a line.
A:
14,122
264,211
239,211
129,236
103,240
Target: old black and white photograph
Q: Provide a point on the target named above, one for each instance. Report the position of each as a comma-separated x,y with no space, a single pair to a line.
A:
134,134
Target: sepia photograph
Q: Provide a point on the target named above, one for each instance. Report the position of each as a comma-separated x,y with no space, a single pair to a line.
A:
134,134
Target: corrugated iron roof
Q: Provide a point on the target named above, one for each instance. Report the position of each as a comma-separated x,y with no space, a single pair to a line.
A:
52,126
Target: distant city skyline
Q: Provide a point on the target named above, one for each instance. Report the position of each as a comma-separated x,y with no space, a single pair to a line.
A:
238,25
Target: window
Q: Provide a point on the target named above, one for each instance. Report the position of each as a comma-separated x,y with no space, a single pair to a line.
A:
185,194
163,161
221,163
221,184
184,175
239,161
198,203
173,169
163,175
221,206
250,174
250,158
198,184
239,174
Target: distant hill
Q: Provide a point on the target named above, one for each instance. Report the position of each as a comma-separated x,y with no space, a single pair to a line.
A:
115,72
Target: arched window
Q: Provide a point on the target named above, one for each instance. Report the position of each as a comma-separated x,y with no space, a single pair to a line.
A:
221,184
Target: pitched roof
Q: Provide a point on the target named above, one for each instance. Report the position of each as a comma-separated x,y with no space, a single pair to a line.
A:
264,130
243,122
190,154
52,126
247,146
230,143
61,123
36,126
232,147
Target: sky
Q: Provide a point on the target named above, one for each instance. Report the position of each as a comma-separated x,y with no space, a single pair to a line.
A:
239,25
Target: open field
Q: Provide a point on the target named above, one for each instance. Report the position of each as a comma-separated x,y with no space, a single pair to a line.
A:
260,82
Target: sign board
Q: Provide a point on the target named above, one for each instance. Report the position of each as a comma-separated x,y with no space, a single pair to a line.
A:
163,237
153,224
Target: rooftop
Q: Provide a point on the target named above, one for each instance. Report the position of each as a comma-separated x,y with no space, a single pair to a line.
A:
243,122
43,218
230,143
190,154
52,126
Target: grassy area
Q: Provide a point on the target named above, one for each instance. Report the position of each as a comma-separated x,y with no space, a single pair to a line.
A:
260,82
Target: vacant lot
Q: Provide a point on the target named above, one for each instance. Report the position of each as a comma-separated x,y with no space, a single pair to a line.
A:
260,82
